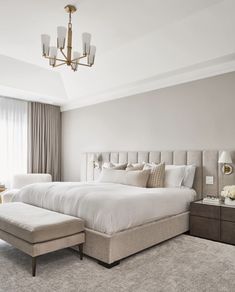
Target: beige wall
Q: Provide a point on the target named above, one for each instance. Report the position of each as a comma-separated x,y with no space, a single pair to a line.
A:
195,115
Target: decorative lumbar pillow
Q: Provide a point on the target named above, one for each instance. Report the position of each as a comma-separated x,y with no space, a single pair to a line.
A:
134,166
114,165
157,174
174,175
189,176
137,178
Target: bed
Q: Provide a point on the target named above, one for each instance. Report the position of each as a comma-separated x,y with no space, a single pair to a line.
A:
118,217
109,244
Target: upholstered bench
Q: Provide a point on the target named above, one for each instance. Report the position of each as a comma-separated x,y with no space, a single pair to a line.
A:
38,231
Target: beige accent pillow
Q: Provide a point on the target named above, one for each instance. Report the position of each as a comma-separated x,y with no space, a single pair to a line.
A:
137,178
135,166
114,165
157,175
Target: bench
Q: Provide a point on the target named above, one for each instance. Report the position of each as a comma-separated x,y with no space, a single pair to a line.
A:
37,231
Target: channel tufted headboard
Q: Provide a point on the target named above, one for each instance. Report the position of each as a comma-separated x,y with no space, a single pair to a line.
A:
206,162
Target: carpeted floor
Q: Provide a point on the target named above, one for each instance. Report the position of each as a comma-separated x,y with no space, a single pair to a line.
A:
181,264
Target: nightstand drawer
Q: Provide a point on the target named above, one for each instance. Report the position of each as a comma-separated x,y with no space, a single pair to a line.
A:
228,232
203,210
228,214
205,227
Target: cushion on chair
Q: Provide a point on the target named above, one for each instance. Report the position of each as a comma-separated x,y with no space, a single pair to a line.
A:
35,225
21,180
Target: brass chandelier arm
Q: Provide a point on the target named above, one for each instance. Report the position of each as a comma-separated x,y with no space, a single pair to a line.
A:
61,50
60,64
87,65
61,60
82,57
77,59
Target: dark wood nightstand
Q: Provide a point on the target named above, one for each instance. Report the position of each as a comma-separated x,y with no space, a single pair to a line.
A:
215,222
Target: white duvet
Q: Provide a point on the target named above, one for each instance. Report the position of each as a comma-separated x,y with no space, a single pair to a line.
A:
107,207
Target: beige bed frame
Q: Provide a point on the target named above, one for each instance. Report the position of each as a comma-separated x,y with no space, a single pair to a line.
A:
110,249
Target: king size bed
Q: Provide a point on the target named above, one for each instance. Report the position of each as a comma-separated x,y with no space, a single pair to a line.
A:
122,220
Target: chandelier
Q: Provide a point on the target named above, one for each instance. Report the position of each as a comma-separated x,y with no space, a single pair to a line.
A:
70,58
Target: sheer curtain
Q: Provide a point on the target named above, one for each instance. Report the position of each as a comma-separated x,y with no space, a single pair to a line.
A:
13,139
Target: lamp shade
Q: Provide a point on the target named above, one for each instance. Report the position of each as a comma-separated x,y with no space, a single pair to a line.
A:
61,36
86,42
225,157
91,56
95,158
76,56
45,38
53,55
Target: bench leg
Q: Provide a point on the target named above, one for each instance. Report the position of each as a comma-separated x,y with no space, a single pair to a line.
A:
34,262
80,247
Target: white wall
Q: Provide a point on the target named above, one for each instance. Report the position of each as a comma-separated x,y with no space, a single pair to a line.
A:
195,115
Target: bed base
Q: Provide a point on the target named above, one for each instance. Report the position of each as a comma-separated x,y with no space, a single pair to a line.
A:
108,266
110,249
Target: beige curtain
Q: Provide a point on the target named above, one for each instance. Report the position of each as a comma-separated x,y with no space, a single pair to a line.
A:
44,139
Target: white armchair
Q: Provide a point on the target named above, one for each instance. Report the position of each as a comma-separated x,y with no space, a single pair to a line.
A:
21,180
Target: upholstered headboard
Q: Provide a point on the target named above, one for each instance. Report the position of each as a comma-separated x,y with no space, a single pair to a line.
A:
206,162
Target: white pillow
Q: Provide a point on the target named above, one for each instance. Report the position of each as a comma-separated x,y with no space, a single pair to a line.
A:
189,176
174,175
136,178
114,165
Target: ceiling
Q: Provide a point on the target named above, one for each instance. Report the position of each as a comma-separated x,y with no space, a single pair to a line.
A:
141,46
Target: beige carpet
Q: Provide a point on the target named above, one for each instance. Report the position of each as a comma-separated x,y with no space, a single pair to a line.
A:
181,264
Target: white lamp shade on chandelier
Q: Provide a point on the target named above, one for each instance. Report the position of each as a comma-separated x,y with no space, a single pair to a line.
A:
86,42
61,37
76,56
91,56
53,55
45,44
70,58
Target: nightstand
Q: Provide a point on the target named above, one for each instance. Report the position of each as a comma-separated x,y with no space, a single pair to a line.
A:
215,222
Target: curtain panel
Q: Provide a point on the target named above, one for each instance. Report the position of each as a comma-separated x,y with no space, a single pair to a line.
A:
13,139
44,139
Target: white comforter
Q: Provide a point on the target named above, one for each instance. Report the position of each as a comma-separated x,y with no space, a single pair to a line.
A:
107,207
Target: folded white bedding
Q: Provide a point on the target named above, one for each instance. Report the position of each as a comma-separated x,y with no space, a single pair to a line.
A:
108,207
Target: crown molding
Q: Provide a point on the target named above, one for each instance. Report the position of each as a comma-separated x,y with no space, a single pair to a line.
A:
198,71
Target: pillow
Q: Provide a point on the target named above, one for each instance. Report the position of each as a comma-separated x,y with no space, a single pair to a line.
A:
174,175
189,176
114,165
156,177
135,166
137,178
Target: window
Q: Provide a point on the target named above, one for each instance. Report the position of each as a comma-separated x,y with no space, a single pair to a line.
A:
13,139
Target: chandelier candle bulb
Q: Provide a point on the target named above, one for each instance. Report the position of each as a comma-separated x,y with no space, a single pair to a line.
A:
91,56
61,37
76,56
64,45
86,40
53,55
45,38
